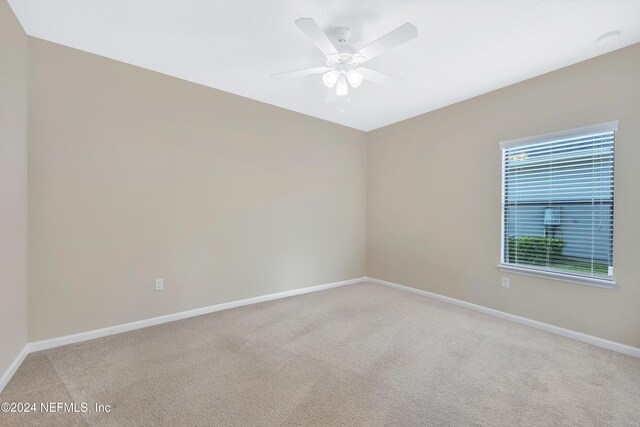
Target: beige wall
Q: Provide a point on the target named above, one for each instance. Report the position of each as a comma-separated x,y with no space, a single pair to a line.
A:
13,187
134,175
433,212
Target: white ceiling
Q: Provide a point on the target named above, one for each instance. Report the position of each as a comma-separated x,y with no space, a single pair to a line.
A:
464,47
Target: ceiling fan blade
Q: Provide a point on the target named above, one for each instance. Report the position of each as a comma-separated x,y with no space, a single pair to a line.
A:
393,39
317,36
376,76
298,73
331,95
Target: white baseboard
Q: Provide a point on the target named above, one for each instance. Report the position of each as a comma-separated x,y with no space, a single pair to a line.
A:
8,374
578,336
113,330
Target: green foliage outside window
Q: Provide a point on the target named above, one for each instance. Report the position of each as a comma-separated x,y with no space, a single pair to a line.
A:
534,250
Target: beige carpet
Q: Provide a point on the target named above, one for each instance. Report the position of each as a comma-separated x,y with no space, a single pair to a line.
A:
356,355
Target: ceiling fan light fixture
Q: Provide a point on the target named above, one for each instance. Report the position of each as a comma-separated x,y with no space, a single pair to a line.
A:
342,65
342,89
354,77
330,78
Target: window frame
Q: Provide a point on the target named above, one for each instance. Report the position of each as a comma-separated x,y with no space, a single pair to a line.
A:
608,283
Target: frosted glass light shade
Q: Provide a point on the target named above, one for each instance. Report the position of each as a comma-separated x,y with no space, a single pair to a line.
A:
355,78
342,89
330,78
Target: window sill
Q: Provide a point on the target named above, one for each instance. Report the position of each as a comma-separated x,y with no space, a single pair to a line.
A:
588,281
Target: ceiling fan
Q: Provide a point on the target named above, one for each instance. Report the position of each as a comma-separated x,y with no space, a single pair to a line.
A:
343,64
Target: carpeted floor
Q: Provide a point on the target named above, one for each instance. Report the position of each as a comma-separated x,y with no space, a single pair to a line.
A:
357,355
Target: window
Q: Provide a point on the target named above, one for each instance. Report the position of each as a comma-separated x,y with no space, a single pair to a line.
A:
557,205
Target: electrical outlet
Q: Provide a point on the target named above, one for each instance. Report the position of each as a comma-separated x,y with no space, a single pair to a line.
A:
159,284
505,282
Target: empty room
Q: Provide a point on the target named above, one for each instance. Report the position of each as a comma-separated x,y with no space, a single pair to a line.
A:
320,212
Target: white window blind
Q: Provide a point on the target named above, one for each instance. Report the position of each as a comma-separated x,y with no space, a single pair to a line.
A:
557,202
